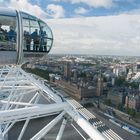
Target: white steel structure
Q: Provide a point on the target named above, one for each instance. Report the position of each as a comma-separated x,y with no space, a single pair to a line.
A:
23,97
20,100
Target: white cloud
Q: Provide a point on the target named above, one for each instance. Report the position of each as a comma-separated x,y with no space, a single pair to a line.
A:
80,10
24,5
118,34
92,3
3,3
55,11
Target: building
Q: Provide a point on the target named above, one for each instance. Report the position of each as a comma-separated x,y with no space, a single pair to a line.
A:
67,70
77,91
75,75
120,70
116,96
99,88
133,101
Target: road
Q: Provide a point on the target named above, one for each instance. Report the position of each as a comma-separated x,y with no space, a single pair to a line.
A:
121,132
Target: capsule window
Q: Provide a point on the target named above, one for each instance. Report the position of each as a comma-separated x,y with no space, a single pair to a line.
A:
8,33
46,37
37,35
31,35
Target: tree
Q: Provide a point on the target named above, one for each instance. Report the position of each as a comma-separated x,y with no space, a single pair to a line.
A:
42,73
131,112
107,102
120,81
120,107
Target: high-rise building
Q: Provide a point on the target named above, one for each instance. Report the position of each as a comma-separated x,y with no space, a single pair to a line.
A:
67,70
99,89
75,75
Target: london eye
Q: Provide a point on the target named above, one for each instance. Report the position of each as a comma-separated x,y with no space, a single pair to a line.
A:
23,98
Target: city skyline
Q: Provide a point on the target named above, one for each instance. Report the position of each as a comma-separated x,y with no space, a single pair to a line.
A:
106,27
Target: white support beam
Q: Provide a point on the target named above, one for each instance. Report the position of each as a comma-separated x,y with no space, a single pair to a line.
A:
86,126
17,89
16,103
17,82
60,133
26,122
78,131
12,91
8,127
23,129
23,113
23,93
47,128
50,93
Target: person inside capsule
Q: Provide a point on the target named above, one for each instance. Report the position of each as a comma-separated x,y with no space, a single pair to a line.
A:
2,32
36,40
43,40
27,39
7,33
11,34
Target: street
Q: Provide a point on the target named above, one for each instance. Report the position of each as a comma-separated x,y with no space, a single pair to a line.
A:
121,132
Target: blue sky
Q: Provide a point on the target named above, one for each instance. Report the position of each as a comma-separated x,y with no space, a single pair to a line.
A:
103,8
104,27
76,8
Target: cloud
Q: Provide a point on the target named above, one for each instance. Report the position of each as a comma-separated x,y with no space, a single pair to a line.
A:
118,34
133,11
25,5
80,10
55,11
3,3
92,3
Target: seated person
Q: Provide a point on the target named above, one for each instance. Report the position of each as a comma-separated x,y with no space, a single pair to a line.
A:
2,33
1,36
11,34
6,35
1,30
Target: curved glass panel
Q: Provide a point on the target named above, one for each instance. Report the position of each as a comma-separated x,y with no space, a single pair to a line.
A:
7,12
37,35
46,37
8,33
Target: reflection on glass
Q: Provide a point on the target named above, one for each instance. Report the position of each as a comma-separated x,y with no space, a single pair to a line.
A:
7,33
37,35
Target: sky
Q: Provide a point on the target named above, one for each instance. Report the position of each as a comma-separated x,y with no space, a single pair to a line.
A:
102,27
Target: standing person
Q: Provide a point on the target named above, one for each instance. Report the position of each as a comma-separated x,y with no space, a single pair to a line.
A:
41,33
35,38
45,41
27,41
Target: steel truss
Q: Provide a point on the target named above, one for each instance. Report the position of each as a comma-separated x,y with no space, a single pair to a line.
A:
20,99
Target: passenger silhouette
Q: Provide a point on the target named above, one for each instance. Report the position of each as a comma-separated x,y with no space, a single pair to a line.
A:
1,30
11,34
2,33
27,40
36,39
